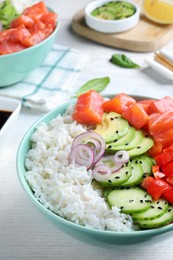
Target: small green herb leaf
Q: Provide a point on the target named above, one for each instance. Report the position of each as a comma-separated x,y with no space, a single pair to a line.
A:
98,85
123,61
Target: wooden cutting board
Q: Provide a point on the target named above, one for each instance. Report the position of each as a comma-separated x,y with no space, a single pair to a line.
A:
145,37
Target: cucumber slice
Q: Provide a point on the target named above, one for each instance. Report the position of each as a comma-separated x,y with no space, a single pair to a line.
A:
161,221
146,163
106,191
137,175
116,179
129,200
157,209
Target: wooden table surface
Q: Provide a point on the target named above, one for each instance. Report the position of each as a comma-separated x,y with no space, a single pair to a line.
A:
24,233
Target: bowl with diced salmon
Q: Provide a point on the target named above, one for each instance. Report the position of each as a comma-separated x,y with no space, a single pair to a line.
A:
27,34
101,168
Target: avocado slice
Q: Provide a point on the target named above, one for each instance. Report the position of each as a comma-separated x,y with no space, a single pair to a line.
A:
142,147
124,139
146,162
136,177
113,127
138,138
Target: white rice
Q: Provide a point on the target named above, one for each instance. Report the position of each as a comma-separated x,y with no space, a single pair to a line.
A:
21,5
64,188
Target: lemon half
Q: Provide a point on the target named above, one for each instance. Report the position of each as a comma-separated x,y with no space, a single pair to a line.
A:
160,11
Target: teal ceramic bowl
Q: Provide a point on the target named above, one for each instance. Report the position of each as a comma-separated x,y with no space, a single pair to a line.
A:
16,66
85,234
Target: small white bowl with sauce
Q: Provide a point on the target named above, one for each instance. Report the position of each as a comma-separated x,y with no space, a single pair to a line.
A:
9,111
108,21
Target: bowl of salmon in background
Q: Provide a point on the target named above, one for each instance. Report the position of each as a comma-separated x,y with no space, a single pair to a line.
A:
25,45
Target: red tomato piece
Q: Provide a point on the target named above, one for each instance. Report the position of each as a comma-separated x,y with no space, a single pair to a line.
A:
145,104
156,172
168,195
19,34
36,11
136,116
146,182
7,47
88,109
49,18
168,168
168,149
164,158
169,179
156,149
22,20
157,188
118,104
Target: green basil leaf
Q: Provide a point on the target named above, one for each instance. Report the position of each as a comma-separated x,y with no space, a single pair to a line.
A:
123,61
98,85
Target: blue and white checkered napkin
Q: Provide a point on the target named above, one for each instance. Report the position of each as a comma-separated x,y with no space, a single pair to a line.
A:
49,85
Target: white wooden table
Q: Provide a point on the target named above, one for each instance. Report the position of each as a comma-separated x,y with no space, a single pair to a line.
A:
24,233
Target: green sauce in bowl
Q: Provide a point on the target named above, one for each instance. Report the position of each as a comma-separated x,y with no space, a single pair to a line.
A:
114,10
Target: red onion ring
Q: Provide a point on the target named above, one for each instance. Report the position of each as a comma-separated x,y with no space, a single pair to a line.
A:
82,155
1,26
93,140
101,172
117,167
121,157
109,161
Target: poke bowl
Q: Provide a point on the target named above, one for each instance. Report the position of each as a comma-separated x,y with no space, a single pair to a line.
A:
69,172
26,42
